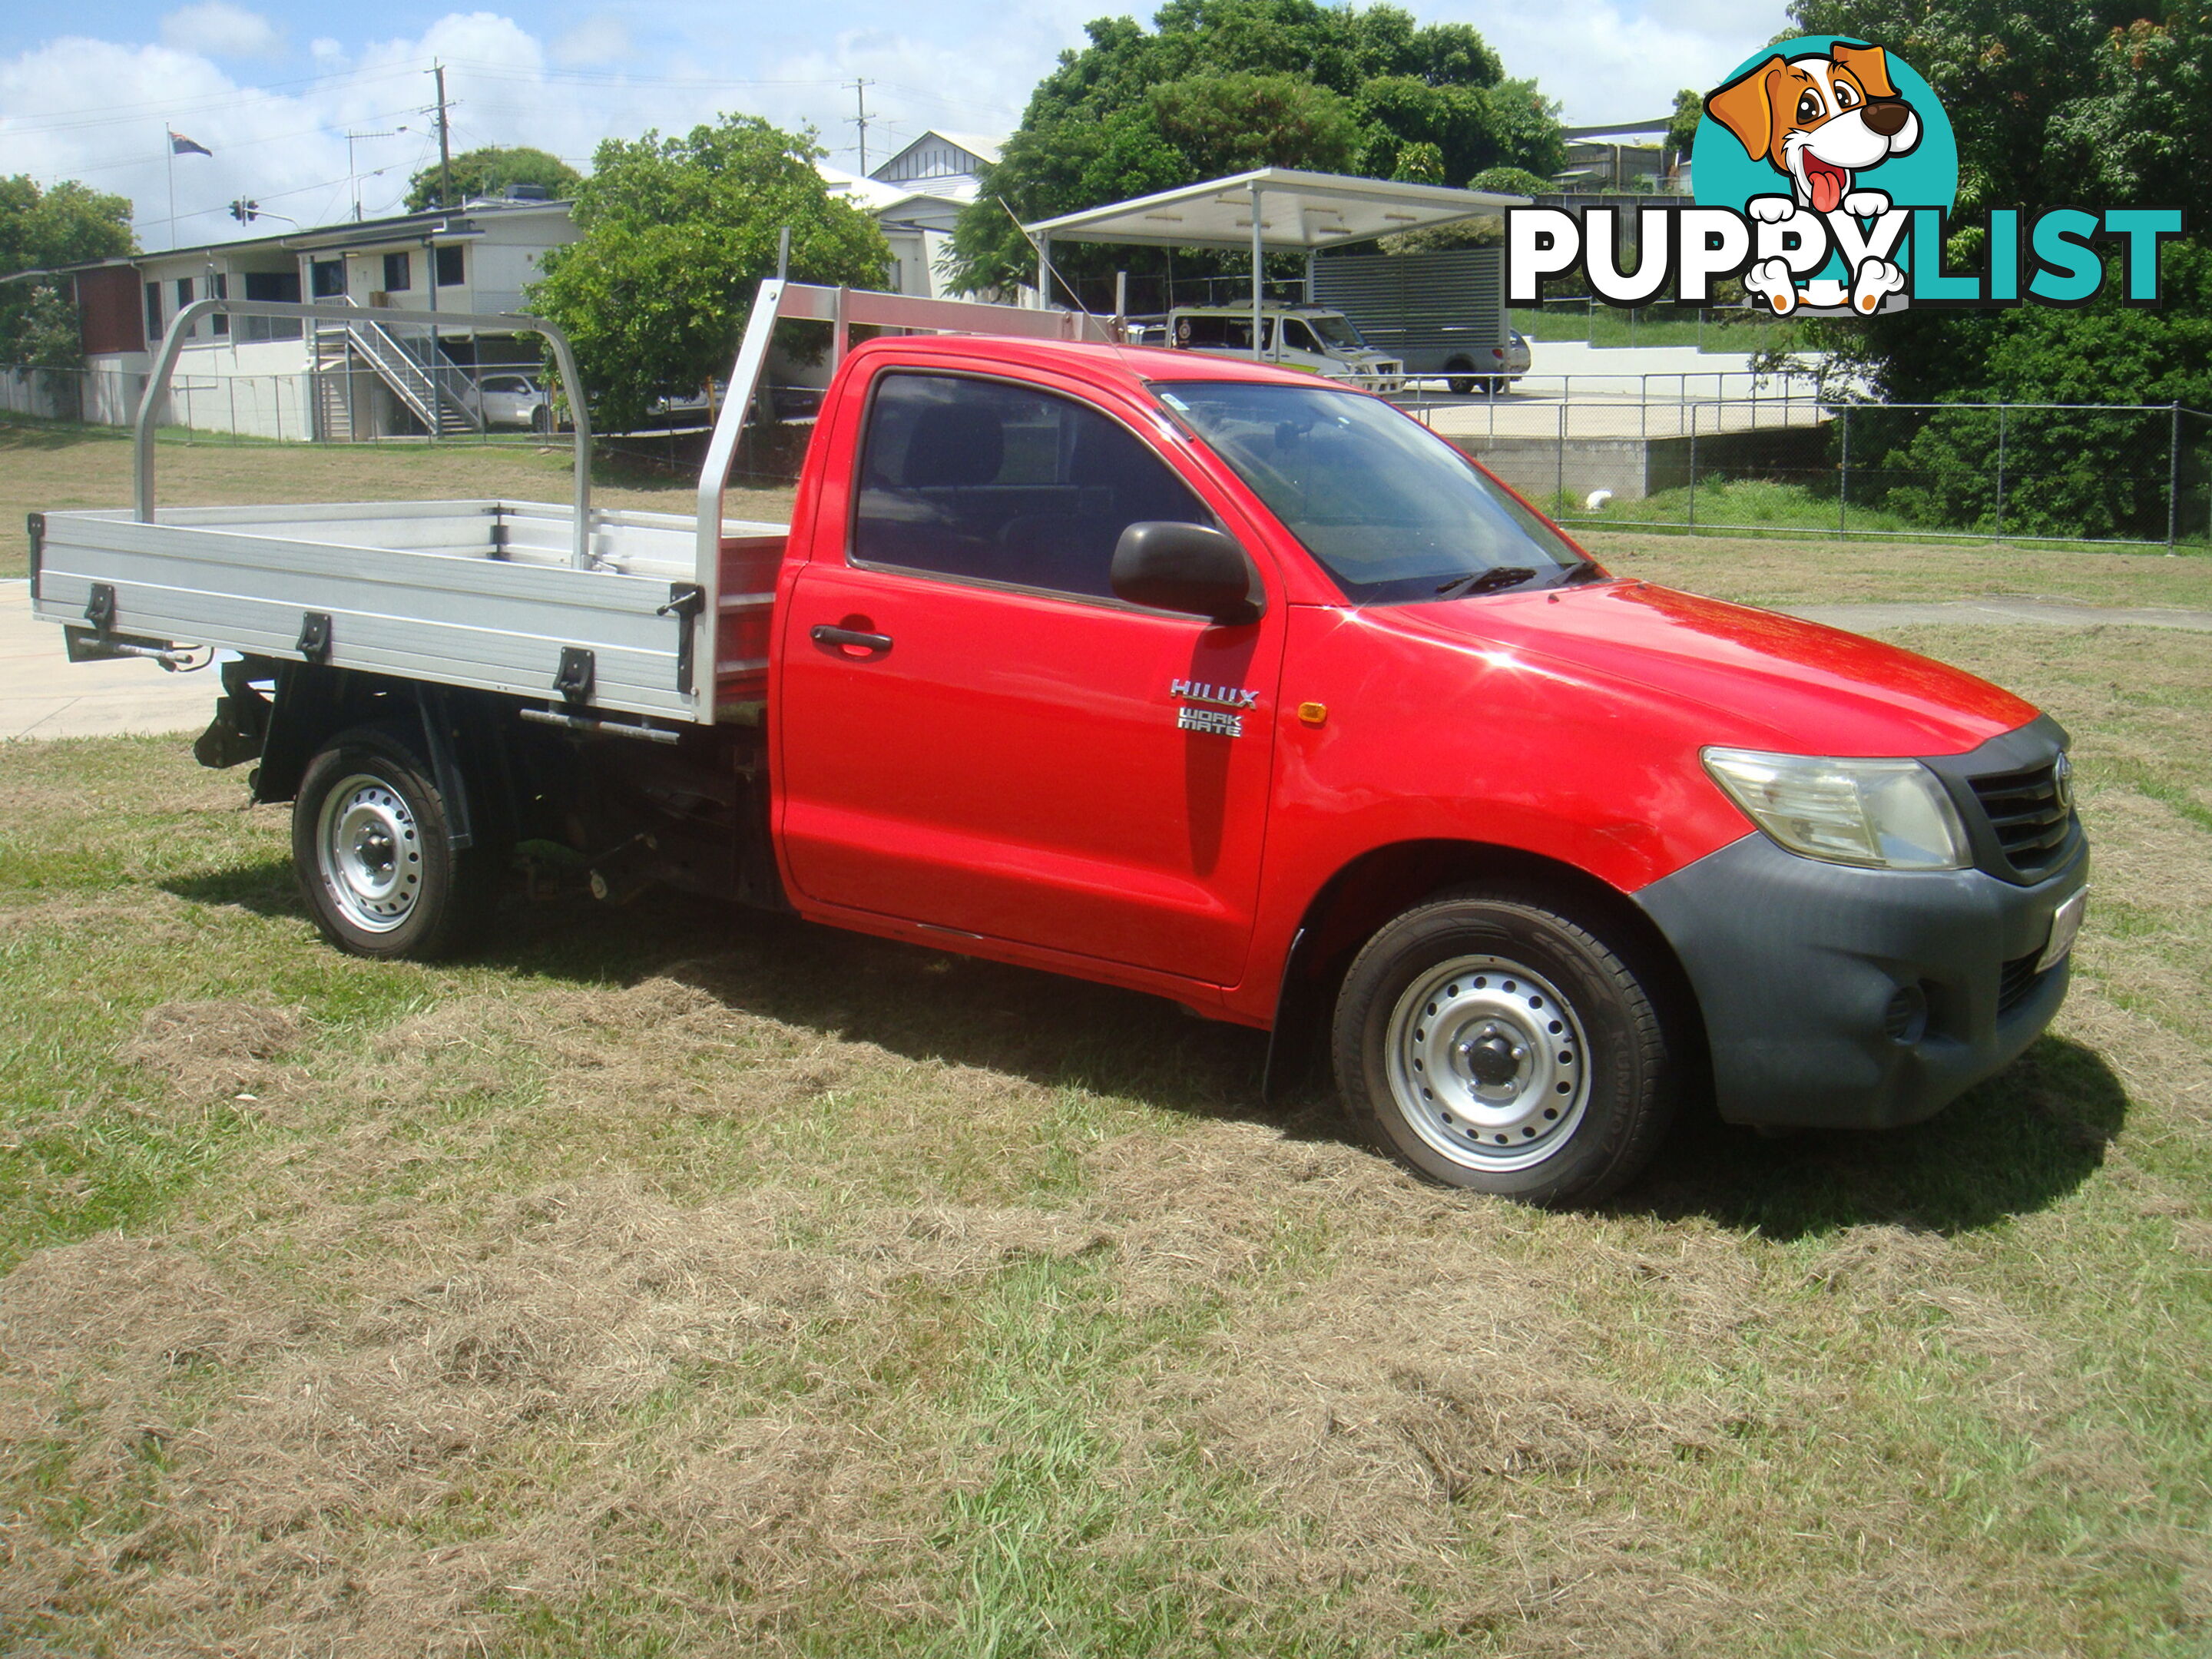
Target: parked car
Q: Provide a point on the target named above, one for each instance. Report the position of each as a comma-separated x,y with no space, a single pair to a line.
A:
1312,338
514,399
1511,360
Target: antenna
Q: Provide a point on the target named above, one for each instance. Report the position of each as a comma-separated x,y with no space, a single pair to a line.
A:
1051,270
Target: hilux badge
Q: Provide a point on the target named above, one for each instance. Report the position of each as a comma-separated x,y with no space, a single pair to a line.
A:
1222,696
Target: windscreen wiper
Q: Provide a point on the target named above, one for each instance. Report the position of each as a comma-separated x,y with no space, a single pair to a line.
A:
1486,582
1583,570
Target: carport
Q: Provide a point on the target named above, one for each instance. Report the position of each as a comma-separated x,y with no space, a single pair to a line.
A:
1271,210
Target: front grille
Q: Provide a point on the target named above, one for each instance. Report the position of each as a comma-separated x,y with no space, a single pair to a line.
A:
2030,816
2016,982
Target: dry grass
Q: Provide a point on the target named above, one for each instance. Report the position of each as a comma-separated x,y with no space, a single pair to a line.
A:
1755,571
679,1281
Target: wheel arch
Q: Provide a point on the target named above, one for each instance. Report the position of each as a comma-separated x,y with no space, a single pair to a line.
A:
1385,881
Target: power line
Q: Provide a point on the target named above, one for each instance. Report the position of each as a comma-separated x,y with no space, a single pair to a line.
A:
124,114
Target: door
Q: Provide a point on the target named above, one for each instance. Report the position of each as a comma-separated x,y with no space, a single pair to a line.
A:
977,736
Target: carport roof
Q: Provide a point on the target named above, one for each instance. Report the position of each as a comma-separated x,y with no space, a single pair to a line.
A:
1299,211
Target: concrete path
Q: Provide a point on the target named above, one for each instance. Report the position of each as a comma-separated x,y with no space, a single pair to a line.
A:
43,694
1981,613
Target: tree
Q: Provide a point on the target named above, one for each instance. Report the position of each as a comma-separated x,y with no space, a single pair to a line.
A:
1682,125
677,234
1221,86
489,171
2052,101
39,230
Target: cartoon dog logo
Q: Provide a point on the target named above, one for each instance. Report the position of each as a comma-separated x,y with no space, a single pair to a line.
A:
1819,121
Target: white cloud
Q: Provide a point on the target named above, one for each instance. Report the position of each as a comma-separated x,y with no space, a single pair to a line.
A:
594,43
1606,61
223,30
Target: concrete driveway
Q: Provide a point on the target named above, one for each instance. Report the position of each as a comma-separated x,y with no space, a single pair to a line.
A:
43,694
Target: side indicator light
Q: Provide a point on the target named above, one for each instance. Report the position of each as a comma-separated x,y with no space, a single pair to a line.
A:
1314,713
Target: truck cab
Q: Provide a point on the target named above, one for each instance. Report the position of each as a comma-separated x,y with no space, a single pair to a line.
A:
1312,338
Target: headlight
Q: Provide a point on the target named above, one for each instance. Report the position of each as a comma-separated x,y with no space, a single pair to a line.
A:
1884,814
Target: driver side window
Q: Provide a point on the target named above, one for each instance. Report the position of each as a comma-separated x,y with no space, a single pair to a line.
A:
993,482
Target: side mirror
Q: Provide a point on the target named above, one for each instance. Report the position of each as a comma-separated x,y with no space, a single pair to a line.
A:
1189,567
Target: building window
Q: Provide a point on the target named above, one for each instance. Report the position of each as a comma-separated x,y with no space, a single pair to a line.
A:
184,299
219,288
449,265
272,285
397,276
329,278
153,314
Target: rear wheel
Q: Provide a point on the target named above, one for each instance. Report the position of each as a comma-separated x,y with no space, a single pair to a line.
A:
1491,1041
372,841
1460,382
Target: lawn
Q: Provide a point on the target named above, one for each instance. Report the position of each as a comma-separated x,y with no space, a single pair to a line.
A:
669,1280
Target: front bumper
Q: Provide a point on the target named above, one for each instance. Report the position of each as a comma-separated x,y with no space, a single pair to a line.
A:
1799,965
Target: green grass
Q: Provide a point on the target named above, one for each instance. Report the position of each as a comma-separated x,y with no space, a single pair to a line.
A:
668,1279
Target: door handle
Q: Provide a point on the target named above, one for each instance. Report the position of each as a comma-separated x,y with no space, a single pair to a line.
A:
840,638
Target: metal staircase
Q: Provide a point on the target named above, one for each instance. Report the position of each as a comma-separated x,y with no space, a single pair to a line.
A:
427,388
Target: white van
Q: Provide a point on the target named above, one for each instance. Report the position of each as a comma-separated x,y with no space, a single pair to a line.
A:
1311,338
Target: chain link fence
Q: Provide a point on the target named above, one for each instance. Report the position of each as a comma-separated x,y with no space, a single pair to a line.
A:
1731,451
1769,455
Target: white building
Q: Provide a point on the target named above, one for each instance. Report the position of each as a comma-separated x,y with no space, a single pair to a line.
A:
337,381
279,378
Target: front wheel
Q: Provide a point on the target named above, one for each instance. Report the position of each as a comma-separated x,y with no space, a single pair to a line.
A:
372,841
1491,1041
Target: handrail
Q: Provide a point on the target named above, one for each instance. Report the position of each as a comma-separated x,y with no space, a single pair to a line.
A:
165,365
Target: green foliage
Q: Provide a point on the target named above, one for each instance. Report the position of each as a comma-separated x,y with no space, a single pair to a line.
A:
1235,122
677,234
2052,101
1682,127
1222,85
489,171
1509,181
39,230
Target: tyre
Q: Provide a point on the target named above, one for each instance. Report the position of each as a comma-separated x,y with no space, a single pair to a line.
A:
1494,385
1489,1040
1459,383
541,419
372,841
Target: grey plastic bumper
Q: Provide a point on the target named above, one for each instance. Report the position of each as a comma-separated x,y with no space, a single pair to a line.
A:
1798,965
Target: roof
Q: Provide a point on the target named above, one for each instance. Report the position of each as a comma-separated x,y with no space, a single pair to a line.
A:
445,222
1131,367
1299,211
982,149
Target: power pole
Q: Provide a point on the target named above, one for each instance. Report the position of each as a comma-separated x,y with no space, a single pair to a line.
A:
860,120
444,143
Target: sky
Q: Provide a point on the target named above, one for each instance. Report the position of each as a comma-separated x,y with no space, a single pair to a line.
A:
273,89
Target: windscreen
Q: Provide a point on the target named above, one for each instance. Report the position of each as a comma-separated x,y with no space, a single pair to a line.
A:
1392,512
1338,331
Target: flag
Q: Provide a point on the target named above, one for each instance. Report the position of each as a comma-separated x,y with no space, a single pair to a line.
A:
180,145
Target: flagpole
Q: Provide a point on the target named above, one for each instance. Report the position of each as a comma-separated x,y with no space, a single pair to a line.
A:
169,148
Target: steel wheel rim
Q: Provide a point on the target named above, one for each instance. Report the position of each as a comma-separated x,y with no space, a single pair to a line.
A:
370,850
1488,1063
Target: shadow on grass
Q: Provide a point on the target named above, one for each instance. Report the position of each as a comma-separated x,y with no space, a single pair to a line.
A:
2019,1143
